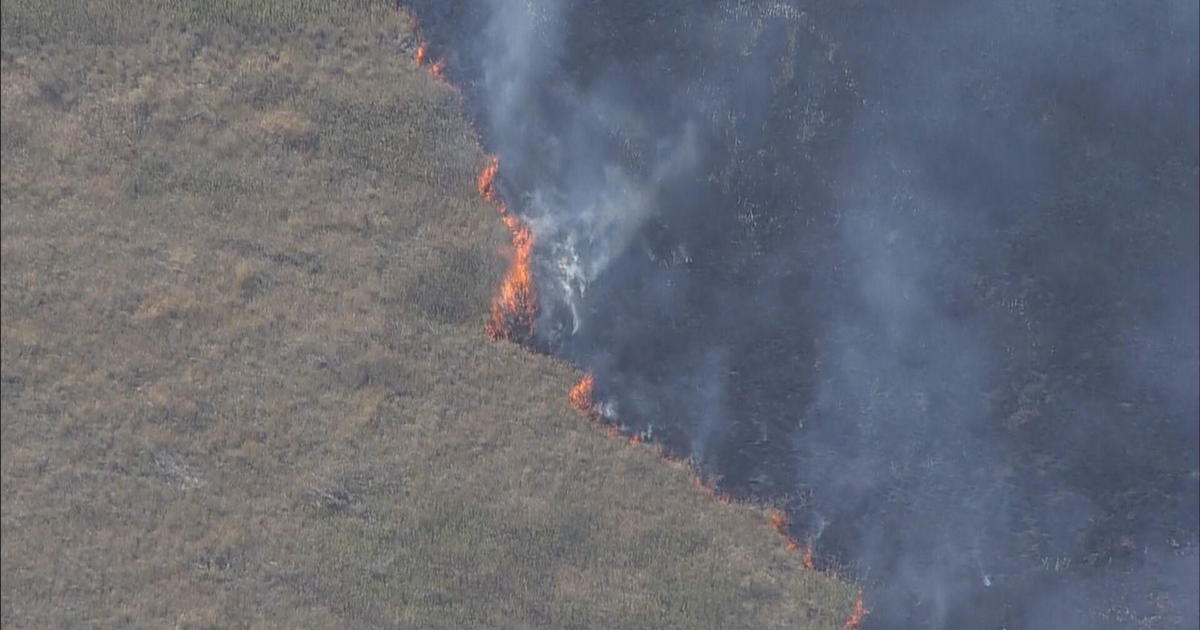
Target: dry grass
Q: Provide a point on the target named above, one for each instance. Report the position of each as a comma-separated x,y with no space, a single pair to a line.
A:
245,383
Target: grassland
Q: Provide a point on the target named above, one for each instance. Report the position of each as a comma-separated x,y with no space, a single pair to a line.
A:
245,383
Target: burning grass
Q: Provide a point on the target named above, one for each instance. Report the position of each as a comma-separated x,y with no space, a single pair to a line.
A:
244,385
514,308
437,69
779,523
857,614
581,395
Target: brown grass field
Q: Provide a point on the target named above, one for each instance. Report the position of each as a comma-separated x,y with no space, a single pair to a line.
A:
245,380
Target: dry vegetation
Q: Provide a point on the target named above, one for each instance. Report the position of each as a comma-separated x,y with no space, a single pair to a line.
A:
245,383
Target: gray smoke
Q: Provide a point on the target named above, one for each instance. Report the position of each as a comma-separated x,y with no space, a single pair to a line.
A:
923,273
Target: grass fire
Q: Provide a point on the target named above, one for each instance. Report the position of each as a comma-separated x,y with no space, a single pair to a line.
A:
818,316
514,309
908,277
243,383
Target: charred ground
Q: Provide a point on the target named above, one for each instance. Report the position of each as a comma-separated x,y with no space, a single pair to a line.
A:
927,274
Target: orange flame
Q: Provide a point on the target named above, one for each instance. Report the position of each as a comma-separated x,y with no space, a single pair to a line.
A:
711,488
437,69
486,182
806,558
581,396
514,308
779,522
857,614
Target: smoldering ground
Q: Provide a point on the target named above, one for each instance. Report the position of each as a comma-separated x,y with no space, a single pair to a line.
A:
923,273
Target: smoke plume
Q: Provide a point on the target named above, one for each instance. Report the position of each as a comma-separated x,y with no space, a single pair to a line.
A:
922,274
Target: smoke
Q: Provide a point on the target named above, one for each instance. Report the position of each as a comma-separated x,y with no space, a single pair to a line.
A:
924,274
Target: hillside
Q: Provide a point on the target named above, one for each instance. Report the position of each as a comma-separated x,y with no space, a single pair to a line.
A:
245,381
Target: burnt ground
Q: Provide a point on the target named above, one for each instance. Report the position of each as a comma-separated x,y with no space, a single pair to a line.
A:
928,277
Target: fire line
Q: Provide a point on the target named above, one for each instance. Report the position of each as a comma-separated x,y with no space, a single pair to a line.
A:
514,311
857,614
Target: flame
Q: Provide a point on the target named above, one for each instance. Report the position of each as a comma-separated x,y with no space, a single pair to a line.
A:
779,522
857,614
514,308
720,496
806,558
486,182
437,69
581,396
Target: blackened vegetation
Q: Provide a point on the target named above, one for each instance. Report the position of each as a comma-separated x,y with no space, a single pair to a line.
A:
925,275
